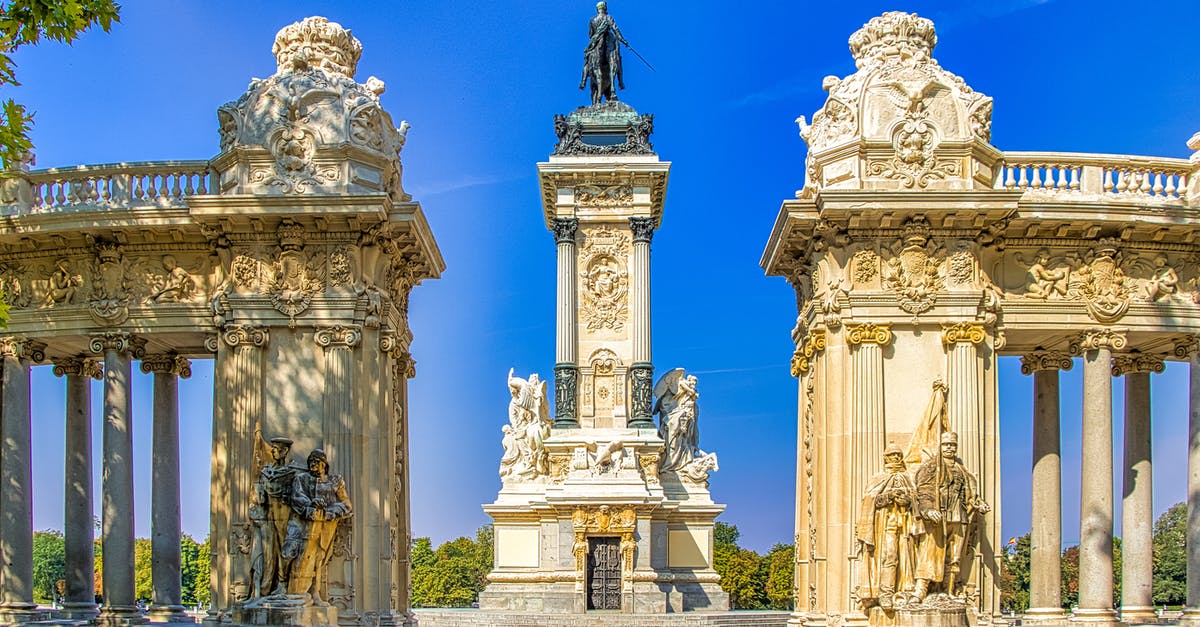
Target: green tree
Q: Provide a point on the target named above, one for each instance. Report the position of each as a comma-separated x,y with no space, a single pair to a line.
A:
143,587
27,22
189,568
780,565
1170,556
724,533
454,574
200,585
1070,576
743,576
49,564
1014,575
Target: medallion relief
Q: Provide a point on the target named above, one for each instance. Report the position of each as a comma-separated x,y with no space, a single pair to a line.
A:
604,277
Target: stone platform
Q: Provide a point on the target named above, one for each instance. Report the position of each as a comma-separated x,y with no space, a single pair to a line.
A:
479,618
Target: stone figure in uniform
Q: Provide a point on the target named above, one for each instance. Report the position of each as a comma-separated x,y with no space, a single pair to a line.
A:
270,510
602,57
319,503
948,502
883,533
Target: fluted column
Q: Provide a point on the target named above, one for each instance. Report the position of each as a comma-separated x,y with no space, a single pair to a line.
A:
964,399
1190,348
79,594
1096,493
1045,536
120,599
1137,506
804,580
165,563
16,479
403,369
641,371
338,342
566,367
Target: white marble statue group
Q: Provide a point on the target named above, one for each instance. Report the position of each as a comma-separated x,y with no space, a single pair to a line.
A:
674,400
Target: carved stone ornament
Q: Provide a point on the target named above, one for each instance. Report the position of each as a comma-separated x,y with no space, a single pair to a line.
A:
295,277
605,279
606,196
864,267
565,230
1097,339
641,389
606,118
22,348
168,363
236,335
604,519
78,366
869,333
566,390
1102,284
802,359
963,332
1187,346
338,337
1137,363
914,141
648,463
1045,360
643,229
120,342
113,283
914,274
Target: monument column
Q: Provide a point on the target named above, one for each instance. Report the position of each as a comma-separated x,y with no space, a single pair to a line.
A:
1190,348
566,368
1137,507
79,594
866,376
165,533
1045,537
805,580
120,599
641,371
338,342
16,475
1096,493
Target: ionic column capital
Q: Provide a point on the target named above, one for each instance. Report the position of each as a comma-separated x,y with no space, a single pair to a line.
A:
344,337
22,348
1045,360
405,363
643,229
565,230
1096,339
1137,363
119,341
868,333
963,333
76,366
167,363
813,343
235,335
1187,346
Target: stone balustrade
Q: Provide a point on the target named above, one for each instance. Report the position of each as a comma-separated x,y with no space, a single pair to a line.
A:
106,186
1153,179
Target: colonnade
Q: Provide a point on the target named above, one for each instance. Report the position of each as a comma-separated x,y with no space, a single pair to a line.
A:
115,352
1103,358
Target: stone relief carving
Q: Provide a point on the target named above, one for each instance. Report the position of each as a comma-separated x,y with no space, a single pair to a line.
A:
607,196
1102,283
114,284
1048,279
831,305
62,284
12,275
174,284
675,398
864,267
605,279
813,343
295,277
914,273
525,458
914,141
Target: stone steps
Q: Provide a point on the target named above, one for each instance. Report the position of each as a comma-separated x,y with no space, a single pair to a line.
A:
477,618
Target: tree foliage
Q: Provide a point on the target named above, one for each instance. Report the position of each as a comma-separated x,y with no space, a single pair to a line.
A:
27,22
1170,556
455,573
49,564
753,581
143,584
1014,575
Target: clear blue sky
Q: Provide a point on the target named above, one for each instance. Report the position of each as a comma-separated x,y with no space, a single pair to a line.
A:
480,82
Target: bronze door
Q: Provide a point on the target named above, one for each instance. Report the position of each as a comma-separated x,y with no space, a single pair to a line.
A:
604,574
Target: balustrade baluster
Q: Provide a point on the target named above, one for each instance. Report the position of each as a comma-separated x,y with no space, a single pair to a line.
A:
188,190
1122,181
60,196
164,191
1074,183
1108,180
1022,183
1169,190
1144,180
1008,177
1061,178
37,195
136,193
1035,173
151,187
201,183
105,189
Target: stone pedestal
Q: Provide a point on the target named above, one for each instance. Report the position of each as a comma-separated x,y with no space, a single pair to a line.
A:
284,611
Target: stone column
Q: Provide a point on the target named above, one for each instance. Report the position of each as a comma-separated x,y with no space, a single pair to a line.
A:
964,401
1096,494
403,369
1137,507
79,597
641,371
566,345
804,580
1190,349
1045,536
120,599
866,342
165,562
16,476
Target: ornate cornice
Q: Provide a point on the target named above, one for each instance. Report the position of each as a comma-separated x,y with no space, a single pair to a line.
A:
643,229
1045,360
338,336
121,342
167,363
236,335
1097,339
1137,363
813,343
565,230
22,348
76,366
963,333
868,333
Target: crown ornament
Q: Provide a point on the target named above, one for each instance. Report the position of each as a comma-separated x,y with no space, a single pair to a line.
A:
895,35
315,42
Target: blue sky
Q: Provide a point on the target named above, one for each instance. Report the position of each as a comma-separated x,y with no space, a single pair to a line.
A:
480,82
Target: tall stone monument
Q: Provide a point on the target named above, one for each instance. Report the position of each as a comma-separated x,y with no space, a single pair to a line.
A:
602,508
